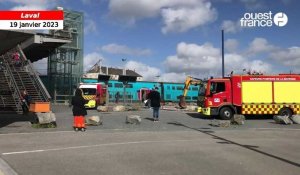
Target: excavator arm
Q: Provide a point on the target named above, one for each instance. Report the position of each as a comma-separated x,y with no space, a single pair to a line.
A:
188,81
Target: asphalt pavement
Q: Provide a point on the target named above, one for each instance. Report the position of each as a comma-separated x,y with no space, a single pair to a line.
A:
181,143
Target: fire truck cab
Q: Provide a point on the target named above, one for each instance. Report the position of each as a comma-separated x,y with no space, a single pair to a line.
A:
95,93
252,94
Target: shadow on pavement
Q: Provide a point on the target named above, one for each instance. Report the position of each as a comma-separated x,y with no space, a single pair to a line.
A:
258,117
226,141
200,116
150,119
7,119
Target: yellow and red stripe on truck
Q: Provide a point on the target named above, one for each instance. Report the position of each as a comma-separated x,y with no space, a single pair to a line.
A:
268,108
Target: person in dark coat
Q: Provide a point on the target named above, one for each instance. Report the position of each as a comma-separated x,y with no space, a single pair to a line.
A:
26,100
117,97
154,97
78,103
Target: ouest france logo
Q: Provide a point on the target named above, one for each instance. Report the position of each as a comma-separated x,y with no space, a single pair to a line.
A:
266,19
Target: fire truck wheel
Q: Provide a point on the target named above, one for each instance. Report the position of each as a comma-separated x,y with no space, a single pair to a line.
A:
285,111
226,113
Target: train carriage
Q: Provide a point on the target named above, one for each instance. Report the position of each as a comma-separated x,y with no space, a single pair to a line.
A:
134,92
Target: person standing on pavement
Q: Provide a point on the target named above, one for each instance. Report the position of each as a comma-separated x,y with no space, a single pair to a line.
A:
26,100
117,97
154,97
79,111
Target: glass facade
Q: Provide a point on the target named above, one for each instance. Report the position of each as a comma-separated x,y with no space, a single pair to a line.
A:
65,64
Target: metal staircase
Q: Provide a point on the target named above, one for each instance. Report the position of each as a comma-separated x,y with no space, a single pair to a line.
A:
9,95
14,79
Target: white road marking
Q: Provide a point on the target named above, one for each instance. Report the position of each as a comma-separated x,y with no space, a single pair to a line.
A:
285,129
53,132
98,145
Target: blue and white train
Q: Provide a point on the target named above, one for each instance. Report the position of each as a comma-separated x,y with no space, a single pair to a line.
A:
137,91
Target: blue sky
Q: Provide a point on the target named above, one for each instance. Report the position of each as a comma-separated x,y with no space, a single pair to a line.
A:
176,38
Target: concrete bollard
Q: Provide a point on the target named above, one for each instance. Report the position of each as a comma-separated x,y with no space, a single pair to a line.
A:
238,119
282,120
102,108
133,119
296,119
220,123
94,120
191,108
224,124
44,118
119,108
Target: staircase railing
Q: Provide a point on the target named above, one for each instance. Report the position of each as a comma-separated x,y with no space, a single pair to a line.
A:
37,81
12,84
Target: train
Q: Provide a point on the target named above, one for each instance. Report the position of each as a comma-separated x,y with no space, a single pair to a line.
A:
137,91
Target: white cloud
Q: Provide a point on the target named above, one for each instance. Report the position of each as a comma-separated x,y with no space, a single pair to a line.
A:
177,15
149,73
90,27
125,50
260,45
253,4
260,66
194,60
41,66
231,45
33,5
91,59
231,26
235,62
131,10
173,77
203,61
287,57
184,19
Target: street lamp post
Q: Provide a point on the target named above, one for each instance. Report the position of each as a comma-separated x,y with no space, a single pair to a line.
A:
124,84
124,70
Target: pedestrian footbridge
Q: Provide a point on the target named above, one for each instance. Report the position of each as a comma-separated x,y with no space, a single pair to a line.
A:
19,76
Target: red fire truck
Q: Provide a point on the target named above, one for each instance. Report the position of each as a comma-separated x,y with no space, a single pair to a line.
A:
252,94
95,93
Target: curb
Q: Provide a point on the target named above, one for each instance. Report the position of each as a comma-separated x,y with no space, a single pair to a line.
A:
5,169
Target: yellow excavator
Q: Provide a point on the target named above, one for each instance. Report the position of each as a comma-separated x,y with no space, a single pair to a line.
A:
188,81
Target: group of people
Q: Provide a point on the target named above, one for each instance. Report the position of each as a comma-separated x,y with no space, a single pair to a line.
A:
78,103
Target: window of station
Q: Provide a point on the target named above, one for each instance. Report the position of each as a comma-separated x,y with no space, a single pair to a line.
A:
168,87
129,86
109,84
195,98
173,87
